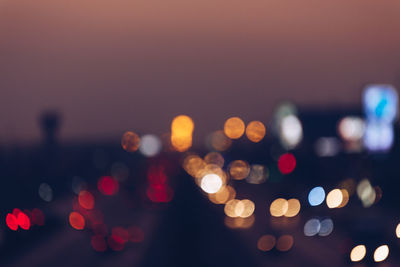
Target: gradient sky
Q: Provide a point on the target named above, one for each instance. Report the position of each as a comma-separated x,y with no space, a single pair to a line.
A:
115,65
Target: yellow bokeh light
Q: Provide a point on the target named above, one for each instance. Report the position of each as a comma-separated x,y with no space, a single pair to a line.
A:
248,208
266,243
334,198
293,207
285,243
358,253
398,231
381,253
239,208
230,208
214,158
239,169
222,196
182,125
130,141
279,207
193,165
345,198
181,143
213,169
182,128
255,131
234,127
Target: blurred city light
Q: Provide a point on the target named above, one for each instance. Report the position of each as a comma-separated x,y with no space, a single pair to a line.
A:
398,231
291,131
239,169
76,220
258,174
316,196
293,207
108,185
279,207
219,141
86,200
312,227
266,243
12,221
255,131
380,102
130,141
46,192
381,253
379,136
351,129
150,145
366,193
380,107
334,198
234,128
284,243
182,128
225,194
215,158
358,253
211,183
326,227
286,163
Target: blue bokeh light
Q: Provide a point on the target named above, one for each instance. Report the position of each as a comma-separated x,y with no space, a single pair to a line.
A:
316,196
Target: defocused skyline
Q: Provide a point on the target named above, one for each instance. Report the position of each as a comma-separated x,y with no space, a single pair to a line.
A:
112,66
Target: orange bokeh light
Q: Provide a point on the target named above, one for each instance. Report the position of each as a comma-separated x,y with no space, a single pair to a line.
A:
255,131
234,127
130,141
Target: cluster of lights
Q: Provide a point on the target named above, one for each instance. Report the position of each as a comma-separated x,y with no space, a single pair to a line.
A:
321,227
158,191
24,219
85,216
282,207
380,108
358,253
268,242
211,175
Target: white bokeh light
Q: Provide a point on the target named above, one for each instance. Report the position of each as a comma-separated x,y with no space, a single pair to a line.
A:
211,183
150,145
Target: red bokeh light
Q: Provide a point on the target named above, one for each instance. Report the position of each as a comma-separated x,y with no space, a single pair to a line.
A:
37,217
23,221
108,185
12,221
76,220
160,193
156,175
116,243
286,163
121,233
98,243
86,200
16,211
136,234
